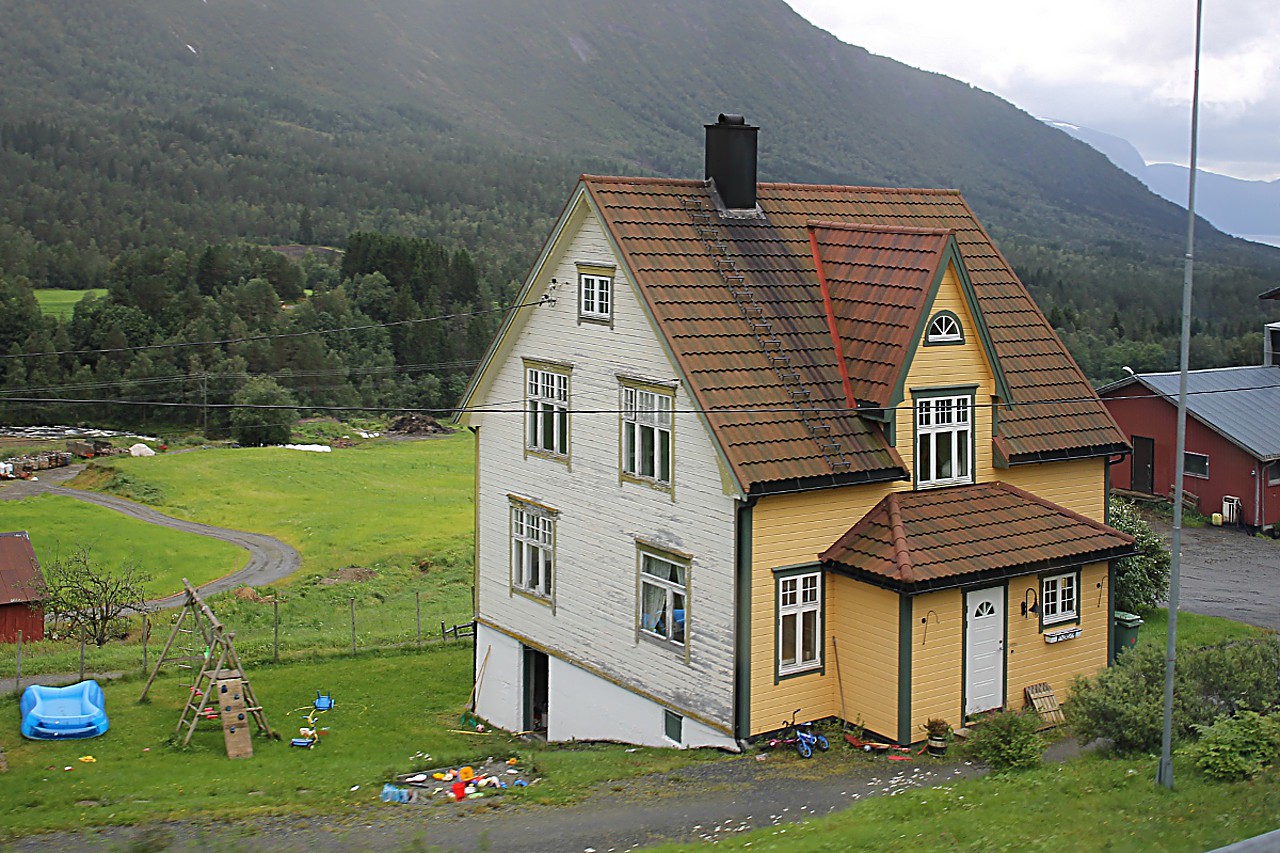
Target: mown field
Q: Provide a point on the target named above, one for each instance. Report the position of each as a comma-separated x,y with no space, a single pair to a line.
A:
60,303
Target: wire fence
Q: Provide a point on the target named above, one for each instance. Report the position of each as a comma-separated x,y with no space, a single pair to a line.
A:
265,630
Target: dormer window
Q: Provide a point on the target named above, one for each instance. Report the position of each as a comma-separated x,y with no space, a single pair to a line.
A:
944,328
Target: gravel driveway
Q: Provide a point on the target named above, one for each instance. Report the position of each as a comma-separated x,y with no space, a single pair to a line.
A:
1226,572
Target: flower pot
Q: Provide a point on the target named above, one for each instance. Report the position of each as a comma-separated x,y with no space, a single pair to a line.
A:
937,746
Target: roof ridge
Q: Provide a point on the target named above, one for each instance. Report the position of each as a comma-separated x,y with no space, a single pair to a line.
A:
901,549
846,187
639,180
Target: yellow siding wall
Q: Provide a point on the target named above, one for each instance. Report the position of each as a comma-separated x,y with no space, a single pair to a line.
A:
1030,660
1079,485
864,622
942,366
789,530
937,653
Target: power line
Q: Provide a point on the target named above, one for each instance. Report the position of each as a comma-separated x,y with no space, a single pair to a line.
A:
279,335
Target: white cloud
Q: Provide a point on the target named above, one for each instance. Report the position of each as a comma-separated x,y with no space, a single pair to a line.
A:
1121,67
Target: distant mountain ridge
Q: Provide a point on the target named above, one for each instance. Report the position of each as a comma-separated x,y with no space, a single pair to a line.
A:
1248,209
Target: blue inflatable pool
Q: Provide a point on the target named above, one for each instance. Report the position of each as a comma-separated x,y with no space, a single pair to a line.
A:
63,713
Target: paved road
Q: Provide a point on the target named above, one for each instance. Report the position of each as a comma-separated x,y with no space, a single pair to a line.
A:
270,559
1226,572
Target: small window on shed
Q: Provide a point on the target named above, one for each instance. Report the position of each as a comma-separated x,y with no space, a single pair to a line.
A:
673,726
1273,474
944,328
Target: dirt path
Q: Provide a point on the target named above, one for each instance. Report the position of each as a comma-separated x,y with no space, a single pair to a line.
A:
705,803
270,559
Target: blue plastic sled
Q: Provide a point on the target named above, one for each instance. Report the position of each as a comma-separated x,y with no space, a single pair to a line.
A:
63,713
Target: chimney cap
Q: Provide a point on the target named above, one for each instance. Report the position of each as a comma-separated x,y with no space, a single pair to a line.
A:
731,118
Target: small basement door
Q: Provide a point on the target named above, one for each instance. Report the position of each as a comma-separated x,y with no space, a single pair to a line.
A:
535,690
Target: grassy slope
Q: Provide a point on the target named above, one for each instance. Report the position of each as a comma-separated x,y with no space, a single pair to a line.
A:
60,303
377,505
58,526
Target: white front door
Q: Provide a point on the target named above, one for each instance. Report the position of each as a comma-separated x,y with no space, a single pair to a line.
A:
984,650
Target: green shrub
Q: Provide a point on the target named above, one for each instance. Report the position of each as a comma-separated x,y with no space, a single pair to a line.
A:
1236,748
1125,703
1141,581
1007,740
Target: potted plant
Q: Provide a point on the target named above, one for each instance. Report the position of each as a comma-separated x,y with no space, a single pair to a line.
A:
938,732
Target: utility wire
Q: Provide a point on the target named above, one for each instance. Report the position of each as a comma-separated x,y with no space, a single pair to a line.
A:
280,335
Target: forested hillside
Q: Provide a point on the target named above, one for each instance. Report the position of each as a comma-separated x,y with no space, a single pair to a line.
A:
148,146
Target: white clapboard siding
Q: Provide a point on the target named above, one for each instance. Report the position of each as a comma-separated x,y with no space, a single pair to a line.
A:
600,517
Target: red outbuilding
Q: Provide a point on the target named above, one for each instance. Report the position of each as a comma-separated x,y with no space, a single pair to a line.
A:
20,585
1232,462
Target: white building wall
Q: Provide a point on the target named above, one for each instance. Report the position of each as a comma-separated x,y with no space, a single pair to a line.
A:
584,707
593,620
500,678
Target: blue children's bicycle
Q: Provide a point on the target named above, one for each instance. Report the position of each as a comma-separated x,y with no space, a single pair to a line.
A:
802,735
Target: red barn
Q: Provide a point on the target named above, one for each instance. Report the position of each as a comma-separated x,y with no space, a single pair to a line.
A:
20,583
1232,446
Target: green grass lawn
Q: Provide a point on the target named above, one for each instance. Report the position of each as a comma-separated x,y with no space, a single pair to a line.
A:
388,708
376,504
60,303
58,526
1194,630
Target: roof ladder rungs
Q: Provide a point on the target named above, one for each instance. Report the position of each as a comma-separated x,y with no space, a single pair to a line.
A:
799,392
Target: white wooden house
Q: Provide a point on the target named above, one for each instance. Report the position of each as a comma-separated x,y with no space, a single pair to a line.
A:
691,441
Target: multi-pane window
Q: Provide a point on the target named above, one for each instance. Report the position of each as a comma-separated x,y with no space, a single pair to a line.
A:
944,437
532,549
944,328
596,293
664,587
646,434
1059,598
547,412
799,622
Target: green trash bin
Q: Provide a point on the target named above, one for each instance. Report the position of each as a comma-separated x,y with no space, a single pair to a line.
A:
1126,631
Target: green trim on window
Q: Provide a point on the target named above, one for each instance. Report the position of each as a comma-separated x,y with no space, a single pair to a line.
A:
904,668
779,574
944,343
1040,579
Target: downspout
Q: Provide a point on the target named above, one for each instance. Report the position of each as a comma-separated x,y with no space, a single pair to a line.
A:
743,576
1106,485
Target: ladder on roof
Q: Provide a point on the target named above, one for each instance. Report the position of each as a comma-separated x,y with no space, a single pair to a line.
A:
811,415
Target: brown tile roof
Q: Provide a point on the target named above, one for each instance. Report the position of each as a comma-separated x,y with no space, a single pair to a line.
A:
875,281
762,363
19,570
929,538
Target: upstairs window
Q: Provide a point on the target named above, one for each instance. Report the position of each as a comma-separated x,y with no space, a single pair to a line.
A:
532,548
547,411
944,328
944,440
595,291
646,434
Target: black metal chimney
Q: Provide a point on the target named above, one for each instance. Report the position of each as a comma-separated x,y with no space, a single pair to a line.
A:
731,161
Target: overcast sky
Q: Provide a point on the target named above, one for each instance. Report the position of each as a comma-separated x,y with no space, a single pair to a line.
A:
1119,66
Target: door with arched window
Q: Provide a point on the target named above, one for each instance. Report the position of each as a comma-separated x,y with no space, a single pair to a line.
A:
984,650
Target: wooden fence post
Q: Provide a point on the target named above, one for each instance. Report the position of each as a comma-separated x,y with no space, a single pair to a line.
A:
353,626
417,603
82,652
275,643
18,678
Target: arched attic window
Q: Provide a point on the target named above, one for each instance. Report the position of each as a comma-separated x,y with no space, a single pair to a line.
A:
944,329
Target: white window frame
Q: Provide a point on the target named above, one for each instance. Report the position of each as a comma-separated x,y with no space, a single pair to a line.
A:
648,439
657,626
945,328
1055,592
546,404
800,604
944,421
533,541
1186,467
595,295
